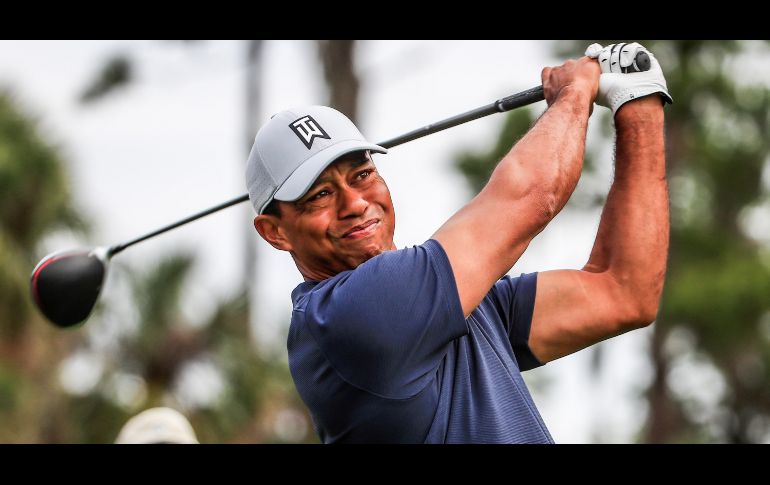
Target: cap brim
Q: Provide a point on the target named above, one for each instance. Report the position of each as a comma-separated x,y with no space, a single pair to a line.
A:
300,181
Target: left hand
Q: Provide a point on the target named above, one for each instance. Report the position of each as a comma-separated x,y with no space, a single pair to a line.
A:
617,85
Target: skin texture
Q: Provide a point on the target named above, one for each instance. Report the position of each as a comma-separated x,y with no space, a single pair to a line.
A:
318,229
617,290
527,189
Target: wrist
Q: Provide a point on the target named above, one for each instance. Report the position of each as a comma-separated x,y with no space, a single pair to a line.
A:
647,109
577,96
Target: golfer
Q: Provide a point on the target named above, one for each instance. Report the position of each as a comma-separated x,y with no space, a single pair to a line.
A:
426,344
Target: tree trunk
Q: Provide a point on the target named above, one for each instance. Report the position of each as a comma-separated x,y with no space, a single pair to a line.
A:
252,123
663,422
337,57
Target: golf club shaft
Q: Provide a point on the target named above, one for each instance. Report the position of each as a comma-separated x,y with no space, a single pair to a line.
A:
517,100
120,247
500,106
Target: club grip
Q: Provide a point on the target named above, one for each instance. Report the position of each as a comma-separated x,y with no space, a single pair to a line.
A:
532,95
641,63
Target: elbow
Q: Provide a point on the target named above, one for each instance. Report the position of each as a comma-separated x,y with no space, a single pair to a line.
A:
645,317
642,304
645,310
635,317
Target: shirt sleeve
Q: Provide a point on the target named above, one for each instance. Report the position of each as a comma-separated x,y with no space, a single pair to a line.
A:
515,303
386,325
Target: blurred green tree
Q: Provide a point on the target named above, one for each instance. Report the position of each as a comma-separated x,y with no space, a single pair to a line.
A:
35,202
718,281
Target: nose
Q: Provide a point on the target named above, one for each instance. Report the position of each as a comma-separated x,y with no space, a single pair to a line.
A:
351,203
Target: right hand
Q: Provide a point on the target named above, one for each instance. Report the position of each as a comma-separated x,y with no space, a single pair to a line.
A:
616,87
580,75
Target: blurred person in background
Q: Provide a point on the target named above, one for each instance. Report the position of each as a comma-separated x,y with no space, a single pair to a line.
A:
160,425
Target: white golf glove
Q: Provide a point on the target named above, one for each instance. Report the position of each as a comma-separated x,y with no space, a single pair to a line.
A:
619,83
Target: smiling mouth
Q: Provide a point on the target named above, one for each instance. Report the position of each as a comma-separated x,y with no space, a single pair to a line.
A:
362,230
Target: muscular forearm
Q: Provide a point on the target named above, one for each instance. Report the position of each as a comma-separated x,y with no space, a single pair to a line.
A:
530,185
632,242
545,165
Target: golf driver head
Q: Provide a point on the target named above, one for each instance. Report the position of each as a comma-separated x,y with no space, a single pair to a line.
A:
65,285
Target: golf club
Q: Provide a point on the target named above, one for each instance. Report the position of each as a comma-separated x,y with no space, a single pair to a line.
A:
66,284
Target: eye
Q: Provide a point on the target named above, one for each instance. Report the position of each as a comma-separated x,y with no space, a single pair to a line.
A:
318,195
365,173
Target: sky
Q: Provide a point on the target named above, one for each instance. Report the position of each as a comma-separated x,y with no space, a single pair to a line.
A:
174,143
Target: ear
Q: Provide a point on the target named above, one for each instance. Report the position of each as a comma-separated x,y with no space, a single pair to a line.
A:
271,230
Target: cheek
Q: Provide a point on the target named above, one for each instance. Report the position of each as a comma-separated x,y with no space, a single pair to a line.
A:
308,233
389,213
316,231
381,194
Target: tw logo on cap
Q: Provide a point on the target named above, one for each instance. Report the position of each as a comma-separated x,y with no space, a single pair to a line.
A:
308,129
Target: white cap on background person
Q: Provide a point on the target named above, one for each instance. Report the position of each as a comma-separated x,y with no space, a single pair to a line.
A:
156,426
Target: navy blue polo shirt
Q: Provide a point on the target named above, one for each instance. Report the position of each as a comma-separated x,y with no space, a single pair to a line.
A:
383,354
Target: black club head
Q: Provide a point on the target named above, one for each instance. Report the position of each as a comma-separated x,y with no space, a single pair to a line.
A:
66,285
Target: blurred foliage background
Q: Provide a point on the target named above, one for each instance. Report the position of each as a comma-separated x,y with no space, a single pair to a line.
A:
714,321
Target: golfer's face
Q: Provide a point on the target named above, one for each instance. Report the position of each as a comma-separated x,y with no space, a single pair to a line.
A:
344,219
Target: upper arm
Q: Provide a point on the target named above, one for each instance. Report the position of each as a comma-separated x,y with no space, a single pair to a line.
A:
486,237
526,190
575,309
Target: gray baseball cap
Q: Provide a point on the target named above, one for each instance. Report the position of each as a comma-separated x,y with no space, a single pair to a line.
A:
292,149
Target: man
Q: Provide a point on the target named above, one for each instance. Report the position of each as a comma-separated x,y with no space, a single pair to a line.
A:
426,344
